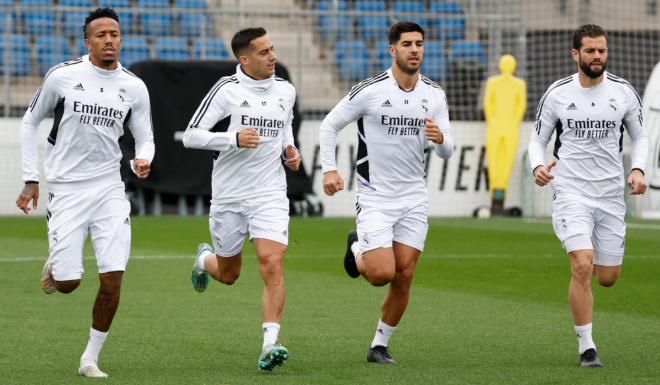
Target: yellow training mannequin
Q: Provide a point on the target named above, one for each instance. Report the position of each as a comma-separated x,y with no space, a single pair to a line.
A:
504,106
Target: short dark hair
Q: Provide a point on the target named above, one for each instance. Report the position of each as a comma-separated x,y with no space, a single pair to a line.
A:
403,27
97,14
243,38
588,30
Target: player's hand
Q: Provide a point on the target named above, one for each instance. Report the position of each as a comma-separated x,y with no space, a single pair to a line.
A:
332,183
142,168
433,132
636,180
248,138
30,193
293,158
542,174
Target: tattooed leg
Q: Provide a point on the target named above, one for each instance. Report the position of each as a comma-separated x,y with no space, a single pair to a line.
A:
107,300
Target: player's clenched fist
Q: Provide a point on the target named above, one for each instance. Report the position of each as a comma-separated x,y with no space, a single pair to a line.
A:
293,158
542,174
433,132
248,138
142,168
637,183
332,183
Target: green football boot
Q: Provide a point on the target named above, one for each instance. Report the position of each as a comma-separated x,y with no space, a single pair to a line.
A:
199,276
272,356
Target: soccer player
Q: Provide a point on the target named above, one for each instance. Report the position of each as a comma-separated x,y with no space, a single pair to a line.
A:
398,112
94,100
590,110
246,120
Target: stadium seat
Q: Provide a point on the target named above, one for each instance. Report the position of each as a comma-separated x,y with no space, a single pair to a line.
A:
3,21
435,65
190,24
125,16
19,62
81,48
38,22
402,7
468,50
155,23
448,26
383,57
73,21
201,4
214,49
133,49
372,27
353,59
330,25
172,48
51,51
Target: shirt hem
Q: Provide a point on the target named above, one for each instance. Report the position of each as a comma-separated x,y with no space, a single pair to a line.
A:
266,195
113,176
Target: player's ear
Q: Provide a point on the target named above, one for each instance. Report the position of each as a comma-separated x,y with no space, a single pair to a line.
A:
88,44
576,55
392,51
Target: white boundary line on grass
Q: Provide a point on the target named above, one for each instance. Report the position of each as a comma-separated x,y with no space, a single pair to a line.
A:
630,225
424,256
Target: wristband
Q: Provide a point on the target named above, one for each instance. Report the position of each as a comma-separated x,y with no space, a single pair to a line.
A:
31,182
638,169
237,143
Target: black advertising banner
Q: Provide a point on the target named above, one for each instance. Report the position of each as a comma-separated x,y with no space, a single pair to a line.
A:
176,89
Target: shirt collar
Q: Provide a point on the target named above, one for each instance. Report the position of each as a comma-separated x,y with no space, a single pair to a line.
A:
252,83
391,75
100,71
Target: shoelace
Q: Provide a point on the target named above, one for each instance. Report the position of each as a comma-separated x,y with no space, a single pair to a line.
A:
383,350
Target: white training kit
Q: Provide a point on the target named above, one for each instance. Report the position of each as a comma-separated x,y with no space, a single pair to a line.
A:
589,177
82,158
391,155
245,176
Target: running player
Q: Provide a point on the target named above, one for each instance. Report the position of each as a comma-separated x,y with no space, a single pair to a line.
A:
590,110
94,100
246,120
398,112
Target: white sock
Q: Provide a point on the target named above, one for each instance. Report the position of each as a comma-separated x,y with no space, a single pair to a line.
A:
584,338
383,334
355,248
202,257
271,330
94,345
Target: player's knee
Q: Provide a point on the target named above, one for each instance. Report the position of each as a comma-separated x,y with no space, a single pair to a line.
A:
582,270
229,278
66,287
607,280
405,277
380,277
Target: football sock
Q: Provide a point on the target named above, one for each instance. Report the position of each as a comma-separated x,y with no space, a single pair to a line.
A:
355,248
94,345
383,334
202,257
584,338
271,330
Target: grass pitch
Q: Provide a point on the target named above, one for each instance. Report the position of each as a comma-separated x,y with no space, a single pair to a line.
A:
488,305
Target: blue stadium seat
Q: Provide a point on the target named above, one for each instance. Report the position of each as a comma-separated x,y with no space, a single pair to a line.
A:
76,3
19,62
155,23
330,25
172,48
190,24
452,27
468,50
81,48
402,7
125,16
435,65
38,22
214,49
133,49
6,3
51,51
383,57
73,21
201,4
372,27
353,59
3,21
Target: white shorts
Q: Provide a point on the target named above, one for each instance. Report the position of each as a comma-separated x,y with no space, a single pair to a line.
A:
602,219
100,211
230,223
380,223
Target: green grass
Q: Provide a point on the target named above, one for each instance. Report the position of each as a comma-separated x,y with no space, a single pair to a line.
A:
488,305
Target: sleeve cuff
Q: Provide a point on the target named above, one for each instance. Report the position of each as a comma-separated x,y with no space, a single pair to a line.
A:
636,168
37,182
284,151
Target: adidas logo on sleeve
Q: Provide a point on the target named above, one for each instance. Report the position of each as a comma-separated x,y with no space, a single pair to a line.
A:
387,104
79,87
572,107
245,104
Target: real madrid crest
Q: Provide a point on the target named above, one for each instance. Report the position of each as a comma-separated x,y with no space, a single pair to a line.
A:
613,106
122,95
281,102
425,105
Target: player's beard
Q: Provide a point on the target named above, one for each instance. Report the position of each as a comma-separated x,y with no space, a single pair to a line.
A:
109,61
402,63
586,69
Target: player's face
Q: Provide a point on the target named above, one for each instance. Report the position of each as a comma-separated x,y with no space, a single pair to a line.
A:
592,57
261,60
408,52
103,41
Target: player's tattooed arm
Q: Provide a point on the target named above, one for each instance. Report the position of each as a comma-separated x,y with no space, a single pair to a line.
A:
637,182
30,193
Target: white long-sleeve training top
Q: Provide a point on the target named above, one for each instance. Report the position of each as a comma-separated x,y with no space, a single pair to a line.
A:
234,103
92,109
589,142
